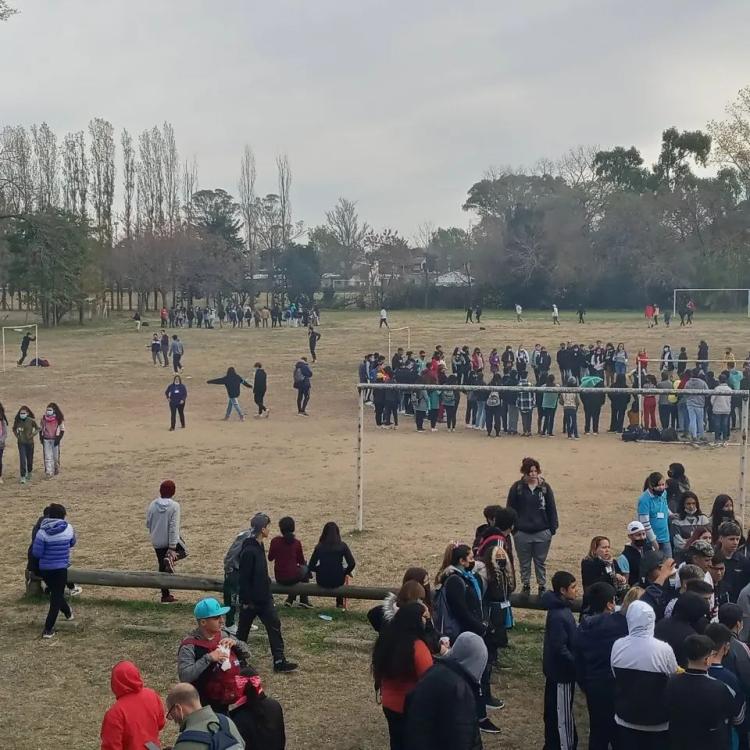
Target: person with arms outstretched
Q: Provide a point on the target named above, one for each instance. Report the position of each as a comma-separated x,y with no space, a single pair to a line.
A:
232,382
25,341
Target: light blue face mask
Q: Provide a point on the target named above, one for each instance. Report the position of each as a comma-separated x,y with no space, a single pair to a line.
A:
23,415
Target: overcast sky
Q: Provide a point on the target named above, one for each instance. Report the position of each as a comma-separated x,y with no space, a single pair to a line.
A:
398,104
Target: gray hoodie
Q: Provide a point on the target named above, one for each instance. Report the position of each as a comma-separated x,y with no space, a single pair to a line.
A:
163,522
470,652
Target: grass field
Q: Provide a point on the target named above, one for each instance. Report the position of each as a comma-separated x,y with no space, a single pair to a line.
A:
118,449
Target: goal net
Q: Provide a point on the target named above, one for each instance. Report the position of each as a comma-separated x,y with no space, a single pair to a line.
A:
730,301
12,337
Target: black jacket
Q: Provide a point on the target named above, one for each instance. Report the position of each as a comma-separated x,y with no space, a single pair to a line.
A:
232,383
259,384
255,585
594,570
593,647
689,617
261,724
592,401
634,556
327,564
544,362
536,510
737,576
441,711
463,603
558,659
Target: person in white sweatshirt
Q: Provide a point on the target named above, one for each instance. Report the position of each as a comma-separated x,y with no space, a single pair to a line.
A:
721,406
163,524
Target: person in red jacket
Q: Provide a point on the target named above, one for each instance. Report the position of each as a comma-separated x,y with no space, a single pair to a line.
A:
137,716
289,566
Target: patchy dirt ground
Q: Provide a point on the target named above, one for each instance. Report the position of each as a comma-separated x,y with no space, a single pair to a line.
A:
420,492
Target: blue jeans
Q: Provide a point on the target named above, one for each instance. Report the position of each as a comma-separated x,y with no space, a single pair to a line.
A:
666,548
682,416
233,403
479,419
695,421
620,368
721,427
570,422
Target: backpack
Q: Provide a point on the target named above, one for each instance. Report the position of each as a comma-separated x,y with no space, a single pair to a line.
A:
218,736
298,377
215,685
493,399
444,620
669,435
654,433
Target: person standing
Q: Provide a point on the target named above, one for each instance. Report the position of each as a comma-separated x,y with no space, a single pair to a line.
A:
51,546
555,316
155,347
592,408
25,429
559,664
653,512
176,349
232,382
164,341
581,314
51,434
383,318
3,438
301,382
534,502
259,390
25,341
176,395
255,595
570,403
549,407
696,404
519,313
469,314
137,716
721,405
163,524
312,339
478,312
332,561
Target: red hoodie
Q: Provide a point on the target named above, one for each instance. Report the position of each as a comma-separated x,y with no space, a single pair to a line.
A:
138,714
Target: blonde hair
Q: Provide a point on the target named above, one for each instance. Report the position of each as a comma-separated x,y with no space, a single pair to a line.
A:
633,595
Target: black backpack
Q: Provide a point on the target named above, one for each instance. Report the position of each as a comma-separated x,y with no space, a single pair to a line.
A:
218,736
669,435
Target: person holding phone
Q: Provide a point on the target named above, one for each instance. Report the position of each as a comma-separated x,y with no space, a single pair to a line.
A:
163,524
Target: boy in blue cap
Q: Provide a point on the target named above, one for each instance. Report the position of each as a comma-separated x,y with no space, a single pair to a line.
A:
210,658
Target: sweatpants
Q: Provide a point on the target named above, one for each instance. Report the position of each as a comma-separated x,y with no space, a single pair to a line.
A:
492,419
591,416
303,397
26,458
559,722
231,596
174,409
56,581
419,417
258,397
526,422
161,555
533,547
600,700
450,417
270,619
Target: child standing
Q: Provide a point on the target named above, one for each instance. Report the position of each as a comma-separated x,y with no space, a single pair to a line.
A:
289,566
52,432
25,429
649,404
259,389
559,664
570,403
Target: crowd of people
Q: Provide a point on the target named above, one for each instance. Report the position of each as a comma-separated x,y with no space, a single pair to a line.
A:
681,416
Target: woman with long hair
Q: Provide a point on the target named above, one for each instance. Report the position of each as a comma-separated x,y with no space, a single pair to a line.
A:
289,566
25,429
3,437
722,510
689,518
677,484
52,432
600,567
399,658
332,560
176,395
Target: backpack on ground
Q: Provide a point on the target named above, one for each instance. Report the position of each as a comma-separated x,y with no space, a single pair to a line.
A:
444,620
217,737
633,433
654,433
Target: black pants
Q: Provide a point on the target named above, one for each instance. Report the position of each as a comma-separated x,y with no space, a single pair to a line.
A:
383,322
549,421
270,619
258,397
618,417
26,457
1,461
174,409
450,419
303,398
165,356
665,416
24,352
177,362
312,354
492,418
632,739
396,728
56,581
379,409
526,422
591,416
558,716
303,577
600,699
433,417
390,413
471,411
419,418
161,554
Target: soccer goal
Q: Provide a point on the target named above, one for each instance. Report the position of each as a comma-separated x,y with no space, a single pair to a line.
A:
12,340
391,331
730,300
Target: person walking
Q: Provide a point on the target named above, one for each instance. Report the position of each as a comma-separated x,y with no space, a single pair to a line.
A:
155,347
136,719
164,342
51,433
163,524
25,341
519,313
176,395
25,429
51,546
301,382
555,316
383,318
255,595
332,561
259,390
176,349
312,339
534,502
232,382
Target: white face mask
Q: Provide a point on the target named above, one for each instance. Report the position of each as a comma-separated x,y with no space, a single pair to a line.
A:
23,415
50,413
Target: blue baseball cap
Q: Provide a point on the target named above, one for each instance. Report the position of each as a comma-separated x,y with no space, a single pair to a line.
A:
209,607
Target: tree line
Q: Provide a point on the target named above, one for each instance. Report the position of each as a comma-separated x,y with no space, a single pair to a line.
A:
97,213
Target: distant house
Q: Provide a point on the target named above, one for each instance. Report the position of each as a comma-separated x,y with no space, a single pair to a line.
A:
454,279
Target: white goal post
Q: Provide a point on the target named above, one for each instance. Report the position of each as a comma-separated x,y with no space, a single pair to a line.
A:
674,296
22,329
408,339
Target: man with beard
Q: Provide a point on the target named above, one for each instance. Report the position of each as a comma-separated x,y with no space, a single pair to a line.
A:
630,559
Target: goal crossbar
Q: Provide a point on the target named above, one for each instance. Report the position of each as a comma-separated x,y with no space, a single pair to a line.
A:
18,329
362,388
674,296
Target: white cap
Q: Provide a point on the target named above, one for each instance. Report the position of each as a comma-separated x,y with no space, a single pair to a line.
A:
635,526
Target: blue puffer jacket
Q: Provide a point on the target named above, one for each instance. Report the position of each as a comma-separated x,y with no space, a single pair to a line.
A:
52,544
596,636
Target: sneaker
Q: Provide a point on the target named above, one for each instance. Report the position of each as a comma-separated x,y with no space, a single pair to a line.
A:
284,666
48,634
485,725
168,599
306,605
71,618
75,591
169,564
433,429
494,703
289,604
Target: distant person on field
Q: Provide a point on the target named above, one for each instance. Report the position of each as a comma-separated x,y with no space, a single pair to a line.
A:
259,718
155,347
4,432
519,313
176,395
176,349
232,382
137,318
51,433
332,560
581,314
259,390
478,313
555,316
137,716
469,314
197,723
25,341
163,524
301,382
383,318
164,341
312,339
25,429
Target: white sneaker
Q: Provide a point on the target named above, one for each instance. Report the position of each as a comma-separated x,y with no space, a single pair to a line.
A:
433,429
75,591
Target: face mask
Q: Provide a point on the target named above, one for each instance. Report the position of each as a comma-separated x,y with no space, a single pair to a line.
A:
50,413
23,415
690,512
639,542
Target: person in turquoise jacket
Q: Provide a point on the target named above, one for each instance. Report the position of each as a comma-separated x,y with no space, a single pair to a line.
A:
549,407
433,400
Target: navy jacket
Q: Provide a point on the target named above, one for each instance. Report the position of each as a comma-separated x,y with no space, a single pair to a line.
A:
558,660
177,393
596,636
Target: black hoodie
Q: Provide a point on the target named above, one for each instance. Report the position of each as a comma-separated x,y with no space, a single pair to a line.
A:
558,660
689,617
